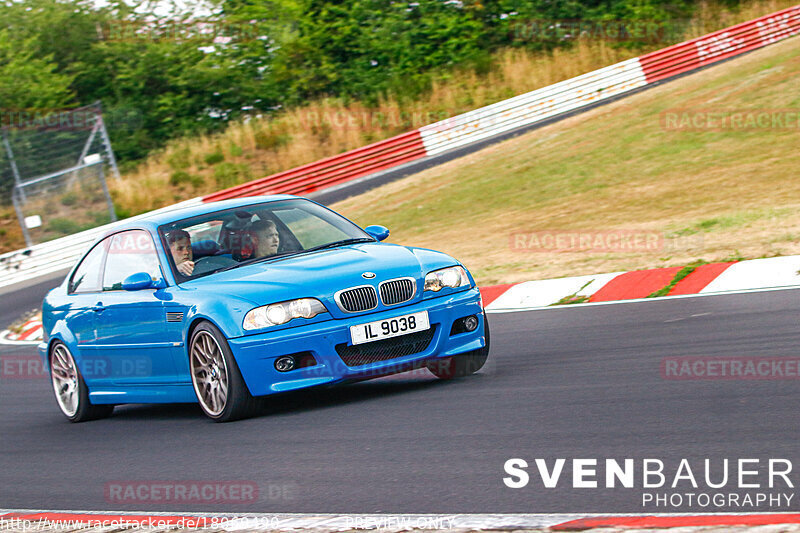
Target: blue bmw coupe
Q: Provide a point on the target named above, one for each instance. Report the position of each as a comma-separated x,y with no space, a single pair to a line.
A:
230,301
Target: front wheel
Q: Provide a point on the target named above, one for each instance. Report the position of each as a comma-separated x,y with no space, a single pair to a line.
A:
71,391
463,364
217,382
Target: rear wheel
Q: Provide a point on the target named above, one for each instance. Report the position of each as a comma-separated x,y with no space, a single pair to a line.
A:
462,364
71,391
217,382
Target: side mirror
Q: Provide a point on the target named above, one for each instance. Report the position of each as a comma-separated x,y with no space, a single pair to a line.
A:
379,232
139,281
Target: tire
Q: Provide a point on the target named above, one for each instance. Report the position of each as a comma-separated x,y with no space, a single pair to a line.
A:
72,394
217,381
463,364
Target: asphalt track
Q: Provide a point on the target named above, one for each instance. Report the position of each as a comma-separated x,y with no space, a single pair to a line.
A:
580,382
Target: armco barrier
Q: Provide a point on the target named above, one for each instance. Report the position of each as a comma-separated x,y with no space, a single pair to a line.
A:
333,170
720,45
459,131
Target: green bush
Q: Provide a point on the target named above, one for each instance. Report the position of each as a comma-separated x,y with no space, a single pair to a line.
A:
179,159
122,213
179,177
230,174
182,177
69,199
214,157
64,226
271,139
100,217
236,150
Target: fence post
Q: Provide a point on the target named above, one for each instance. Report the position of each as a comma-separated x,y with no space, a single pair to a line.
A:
13,163
21,217
107,144
111,210
86,146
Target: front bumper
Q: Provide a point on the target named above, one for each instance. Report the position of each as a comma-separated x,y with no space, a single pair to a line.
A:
256,354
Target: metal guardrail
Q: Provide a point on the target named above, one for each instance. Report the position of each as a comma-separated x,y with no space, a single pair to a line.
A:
459,131
720,45
332,170
532,107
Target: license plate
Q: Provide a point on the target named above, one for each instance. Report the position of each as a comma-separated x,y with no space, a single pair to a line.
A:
391,327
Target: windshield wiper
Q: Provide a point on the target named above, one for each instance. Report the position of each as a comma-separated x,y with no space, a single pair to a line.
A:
334,244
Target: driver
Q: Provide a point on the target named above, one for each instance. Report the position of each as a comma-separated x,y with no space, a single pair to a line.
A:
180,245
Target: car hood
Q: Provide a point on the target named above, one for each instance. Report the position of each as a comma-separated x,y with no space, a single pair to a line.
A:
323,273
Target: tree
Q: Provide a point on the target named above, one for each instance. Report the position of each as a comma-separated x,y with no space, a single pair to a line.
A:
30,82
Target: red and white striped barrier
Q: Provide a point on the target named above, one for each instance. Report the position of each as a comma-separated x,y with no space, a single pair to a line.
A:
457,132
712,278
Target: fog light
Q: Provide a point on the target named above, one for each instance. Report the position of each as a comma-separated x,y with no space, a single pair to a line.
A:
464,325
285,363
470,323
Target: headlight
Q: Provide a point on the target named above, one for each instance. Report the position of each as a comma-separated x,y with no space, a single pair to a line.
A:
283,312
447,277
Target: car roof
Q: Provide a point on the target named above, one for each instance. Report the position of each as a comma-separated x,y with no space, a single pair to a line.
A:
180,213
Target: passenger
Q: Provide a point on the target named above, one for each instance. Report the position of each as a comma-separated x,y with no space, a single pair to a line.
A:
266,237
180,245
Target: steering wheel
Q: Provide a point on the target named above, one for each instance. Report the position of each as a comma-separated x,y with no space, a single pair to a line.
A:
210,263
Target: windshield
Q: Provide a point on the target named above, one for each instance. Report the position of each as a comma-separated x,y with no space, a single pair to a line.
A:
206,244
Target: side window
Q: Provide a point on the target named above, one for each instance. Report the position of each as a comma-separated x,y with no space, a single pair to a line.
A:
87,276
130,252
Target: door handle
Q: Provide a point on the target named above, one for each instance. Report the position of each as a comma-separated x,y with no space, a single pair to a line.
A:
98,307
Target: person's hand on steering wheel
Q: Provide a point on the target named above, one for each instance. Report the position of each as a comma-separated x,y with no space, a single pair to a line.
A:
186,267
